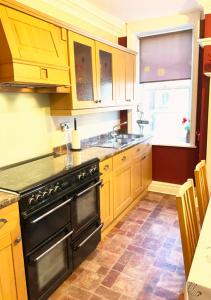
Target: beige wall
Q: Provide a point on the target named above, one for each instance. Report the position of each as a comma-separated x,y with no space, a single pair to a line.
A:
27,130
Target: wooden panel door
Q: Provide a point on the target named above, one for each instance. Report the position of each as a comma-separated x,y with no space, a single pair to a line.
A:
7,275
83,71
119,71
147,167
137,173
122,188
105,74
130,76
106,200
34,40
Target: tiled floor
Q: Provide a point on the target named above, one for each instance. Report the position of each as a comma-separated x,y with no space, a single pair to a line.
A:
141,258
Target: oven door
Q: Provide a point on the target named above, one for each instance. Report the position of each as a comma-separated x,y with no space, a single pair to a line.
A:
49,265
43,224
85,207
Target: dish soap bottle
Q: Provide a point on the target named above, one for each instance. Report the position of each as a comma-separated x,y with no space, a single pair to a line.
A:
76,142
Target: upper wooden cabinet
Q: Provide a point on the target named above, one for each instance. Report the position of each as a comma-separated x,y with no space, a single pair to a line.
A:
124,70
105,74
33,51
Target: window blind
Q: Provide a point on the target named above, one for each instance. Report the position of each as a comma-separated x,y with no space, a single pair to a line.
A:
166,56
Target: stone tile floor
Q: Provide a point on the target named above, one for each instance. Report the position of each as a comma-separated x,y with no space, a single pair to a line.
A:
141,258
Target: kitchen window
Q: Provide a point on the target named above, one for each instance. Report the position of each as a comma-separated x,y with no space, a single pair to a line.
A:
166,87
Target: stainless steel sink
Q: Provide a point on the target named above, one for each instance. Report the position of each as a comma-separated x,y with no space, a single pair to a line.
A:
120,141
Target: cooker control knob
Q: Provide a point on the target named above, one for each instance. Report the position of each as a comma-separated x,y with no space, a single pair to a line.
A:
91,171
57,188
32,200
80,177
50,191
83,174
44,194
38,197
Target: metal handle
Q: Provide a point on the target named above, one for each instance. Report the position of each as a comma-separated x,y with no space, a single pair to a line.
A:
3,222
52,247
138,150
106,168
51,211
128,100
86,239
18,240
143,158
124,158
96,101
89,188
99,101
102,184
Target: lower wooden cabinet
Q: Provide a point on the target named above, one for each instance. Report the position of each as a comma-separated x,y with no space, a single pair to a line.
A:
12,275
125,177
106,193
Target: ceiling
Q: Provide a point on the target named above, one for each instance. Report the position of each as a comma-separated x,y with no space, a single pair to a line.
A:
132,10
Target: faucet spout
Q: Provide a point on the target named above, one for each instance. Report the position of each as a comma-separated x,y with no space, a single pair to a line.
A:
115,127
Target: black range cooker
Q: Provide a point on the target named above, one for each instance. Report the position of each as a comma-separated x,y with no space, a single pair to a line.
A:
60,218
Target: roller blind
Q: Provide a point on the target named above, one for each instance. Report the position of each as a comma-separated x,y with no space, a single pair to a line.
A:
166,56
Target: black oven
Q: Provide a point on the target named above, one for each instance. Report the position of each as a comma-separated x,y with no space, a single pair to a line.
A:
60,223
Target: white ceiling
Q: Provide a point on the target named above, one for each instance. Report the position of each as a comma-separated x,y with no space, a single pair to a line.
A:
132,10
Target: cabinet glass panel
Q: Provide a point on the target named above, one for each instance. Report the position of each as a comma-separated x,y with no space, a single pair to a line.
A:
83,72
106,86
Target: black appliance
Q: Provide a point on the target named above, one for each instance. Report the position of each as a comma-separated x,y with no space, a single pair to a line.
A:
60,219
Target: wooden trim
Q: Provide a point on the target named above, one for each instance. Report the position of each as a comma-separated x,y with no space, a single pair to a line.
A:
17,88
35,13
75,112
164,187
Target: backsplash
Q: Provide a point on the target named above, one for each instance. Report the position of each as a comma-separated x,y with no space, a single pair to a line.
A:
28,130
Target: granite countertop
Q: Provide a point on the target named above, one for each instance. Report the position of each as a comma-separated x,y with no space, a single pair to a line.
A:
7,198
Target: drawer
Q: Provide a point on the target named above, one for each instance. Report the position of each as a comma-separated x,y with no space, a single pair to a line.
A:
137,150
106,166
122,159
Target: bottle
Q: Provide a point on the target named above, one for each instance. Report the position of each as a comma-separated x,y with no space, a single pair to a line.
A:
76,141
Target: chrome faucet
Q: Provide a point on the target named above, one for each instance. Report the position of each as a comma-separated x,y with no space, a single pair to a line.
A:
114,133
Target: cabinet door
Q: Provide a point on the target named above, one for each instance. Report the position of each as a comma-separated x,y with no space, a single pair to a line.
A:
130,77
83,71
147,167
137,173
105,75
122,188
7,275
119,70
106,200
34,40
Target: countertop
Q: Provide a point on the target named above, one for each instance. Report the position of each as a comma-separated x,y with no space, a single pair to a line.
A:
7,198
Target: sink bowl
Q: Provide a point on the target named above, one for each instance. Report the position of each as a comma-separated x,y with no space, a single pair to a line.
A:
120,141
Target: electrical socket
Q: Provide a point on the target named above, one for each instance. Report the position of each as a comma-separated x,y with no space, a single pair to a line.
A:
65,126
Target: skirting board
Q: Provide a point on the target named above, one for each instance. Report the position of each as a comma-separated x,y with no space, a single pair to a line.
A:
164,187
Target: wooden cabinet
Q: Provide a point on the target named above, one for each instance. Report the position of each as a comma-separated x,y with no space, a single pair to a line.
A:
137,170
105,74
12,275
124,70
36,49
106,192
122,178
147,166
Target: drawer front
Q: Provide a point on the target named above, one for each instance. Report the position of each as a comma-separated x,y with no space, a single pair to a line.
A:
122,159
106,166
137,150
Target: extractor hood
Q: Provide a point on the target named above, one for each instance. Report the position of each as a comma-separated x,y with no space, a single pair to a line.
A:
33,51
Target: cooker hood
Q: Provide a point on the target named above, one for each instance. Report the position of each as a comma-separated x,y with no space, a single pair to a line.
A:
206,44
33,52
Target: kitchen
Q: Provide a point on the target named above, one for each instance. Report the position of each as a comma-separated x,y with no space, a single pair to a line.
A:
32,116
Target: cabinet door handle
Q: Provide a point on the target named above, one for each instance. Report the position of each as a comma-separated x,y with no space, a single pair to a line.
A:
128,100
124,158
106,168
96,101
3,222
99,101
143,158
18,240
138,150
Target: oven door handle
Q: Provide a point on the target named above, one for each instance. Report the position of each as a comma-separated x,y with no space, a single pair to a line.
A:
86,239
53,246
89,188
51,211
